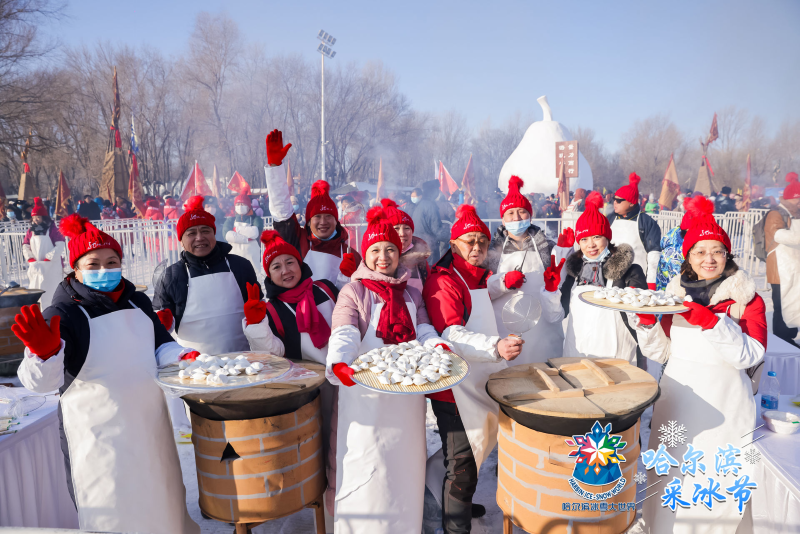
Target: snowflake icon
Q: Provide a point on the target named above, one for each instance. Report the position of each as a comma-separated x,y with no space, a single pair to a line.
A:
640,478
672,434
752,456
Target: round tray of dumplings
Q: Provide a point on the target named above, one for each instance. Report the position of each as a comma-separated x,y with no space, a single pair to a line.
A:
233,370
409,368
629,299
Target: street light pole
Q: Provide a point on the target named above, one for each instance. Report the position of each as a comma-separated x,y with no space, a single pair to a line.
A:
324,50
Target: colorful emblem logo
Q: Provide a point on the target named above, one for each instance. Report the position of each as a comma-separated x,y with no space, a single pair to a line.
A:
597,461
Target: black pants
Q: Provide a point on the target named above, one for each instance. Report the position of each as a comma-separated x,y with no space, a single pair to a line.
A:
462,471
779,328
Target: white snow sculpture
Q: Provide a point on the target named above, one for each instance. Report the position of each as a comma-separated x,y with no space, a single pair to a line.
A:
534,160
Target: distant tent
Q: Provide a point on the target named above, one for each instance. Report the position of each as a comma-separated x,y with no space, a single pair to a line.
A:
705,184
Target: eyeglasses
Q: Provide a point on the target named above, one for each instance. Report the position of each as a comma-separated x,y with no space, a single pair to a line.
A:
481,242
716,254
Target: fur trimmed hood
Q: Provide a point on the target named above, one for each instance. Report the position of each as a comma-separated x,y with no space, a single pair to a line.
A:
615,266
738,287
419,252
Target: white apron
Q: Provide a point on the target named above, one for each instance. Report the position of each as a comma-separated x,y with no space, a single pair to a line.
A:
715,403
596,333
125,467
325,266
787,258
212,320
307,348
479,413
44,274
627,231
380,454
544,340
251,250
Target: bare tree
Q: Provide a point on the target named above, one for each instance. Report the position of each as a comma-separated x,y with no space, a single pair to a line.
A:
646,149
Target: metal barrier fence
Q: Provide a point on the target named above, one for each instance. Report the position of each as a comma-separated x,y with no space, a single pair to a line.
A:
147,243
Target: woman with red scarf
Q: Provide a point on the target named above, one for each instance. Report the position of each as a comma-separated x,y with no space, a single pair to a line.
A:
380,445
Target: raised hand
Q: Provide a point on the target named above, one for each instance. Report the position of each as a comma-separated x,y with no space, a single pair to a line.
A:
552,275
255,309
31,328
275,149
348,265
567,238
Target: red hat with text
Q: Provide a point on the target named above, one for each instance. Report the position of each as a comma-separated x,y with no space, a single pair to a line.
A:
630,192
195,215
38,208
320,202
275,246
467,221
592,222
704,227
243,197
85,237
792,190
515,199
396,215
379,228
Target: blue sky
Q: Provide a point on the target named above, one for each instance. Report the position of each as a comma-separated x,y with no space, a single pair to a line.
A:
601,64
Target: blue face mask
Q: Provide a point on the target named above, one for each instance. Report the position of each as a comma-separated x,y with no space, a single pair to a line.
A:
415,200
518,227
295,207
11,215
102,279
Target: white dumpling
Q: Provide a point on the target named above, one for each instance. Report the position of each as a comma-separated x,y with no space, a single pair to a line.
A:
355,367
444,371
420,380
213,368
220,372
397,377
382,365
377,370
364,366
365,358
415,343
235,371
257,366
250,371
225,359
183,373
383,380
407,381
241,366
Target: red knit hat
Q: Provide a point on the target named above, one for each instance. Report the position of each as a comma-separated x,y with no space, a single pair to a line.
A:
320,201
515,199
395,215
153,203
274,246
85,237
38,208
630,192
592,222
467,221
693,206
195,215
379,228
703,227
792,190
243,197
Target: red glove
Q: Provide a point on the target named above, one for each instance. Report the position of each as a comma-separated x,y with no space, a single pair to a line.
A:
348,265
191,355
275,149
31,260
31,328
699,315
552,275
445,347
166,318
567,238
45,259
651,287
646,319
255,309
513,279
344,373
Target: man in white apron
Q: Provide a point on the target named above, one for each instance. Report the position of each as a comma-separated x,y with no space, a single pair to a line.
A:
42,248
518,256
460,309
101,350
323,242
243,230
636,229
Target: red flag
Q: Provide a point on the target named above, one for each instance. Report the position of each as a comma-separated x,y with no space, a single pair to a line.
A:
215,183
381,187
713,134
63,195
446,183
467,182
237,183
135,191
747,187
196,184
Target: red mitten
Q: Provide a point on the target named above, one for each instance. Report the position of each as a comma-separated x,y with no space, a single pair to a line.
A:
646,319
348,265
513,279
344,373
255,309
45,259
699,315
166,318
31,260
552,275
31,328
651,287
191,355
275,149
567,238
445,347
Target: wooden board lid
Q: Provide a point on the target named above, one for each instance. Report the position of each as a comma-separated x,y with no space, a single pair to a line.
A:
574,388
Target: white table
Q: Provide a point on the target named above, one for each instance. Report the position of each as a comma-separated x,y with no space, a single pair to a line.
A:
784,359
33,483
775,504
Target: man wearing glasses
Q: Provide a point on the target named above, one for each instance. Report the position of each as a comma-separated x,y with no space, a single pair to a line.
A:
636,229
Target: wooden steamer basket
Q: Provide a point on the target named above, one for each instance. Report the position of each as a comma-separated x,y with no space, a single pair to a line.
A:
259,451
542,405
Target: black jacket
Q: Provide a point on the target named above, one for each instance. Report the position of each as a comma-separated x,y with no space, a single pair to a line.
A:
428,224
90,210
649,231
173,286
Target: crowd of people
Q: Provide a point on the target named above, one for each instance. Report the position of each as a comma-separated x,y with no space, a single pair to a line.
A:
414,278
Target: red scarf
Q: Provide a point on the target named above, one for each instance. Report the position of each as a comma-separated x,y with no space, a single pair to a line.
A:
394,324
309,319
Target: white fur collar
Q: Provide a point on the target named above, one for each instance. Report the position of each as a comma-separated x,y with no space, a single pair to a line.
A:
739,287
